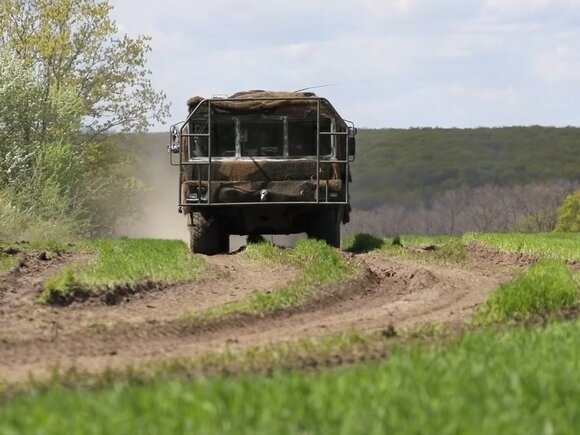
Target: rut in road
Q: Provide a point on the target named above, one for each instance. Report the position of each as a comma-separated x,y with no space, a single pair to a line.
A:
392,293
228,278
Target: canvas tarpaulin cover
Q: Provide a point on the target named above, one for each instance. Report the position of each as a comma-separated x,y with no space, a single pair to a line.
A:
263,101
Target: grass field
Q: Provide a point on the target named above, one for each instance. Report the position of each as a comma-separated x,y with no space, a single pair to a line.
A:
510,377
546,287
515,381
126,261
450,249
557,246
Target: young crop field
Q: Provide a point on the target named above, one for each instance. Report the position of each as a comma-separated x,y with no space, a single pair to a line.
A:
472,334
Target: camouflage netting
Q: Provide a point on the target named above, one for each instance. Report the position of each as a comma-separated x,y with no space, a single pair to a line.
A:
272,170
241,181
256,170
257,101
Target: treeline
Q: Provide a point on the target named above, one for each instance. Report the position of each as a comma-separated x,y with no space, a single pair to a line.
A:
527,208
413,166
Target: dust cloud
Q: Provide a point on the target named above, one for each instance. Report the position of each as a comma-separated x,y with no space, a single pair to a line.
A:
158,217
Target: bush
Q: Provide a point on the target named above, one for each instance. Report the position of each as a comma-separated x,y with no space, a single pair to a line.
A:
569,214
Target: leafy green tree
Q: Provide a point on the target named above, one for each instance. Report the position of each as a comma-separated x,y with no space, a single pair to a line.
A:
64,67
27,120
45,180
19,92
74,45
569,213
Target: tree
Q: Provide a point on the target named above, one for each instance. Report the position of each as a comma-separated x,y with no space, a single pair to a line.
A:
569,213
48,179
63,67
19,111
73,45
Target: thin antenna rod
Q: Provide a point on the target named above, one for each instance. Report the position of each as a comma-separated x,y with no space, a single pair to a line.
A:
315,87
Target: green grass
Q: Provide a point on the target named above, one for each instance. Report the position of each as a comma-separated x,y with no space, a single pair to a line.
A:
49,245
546,287
318,264
448,250
325,351
557,246
127,261
516,381
7,262
512,380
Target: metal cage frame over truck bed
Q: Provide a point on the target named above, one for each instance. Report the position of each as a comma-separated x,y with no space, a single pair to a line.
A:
181,135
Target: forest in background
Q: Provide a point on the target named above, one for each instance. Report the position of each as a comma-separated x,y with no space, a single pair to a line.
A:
411,166
432,180
406,167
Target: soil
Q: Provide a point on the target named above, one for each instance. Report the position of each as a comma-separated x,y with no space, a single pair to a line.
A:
150,322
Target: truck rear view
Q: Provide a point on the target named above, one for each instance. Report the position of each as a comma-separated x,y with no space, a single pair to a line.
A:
262,163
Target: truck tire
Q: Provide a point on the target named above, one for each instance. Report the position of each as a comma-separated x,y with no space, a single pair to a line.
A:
325,226
206,236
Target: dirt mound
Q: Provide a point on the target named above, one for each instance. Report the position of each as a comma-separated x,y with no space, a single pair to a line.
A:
23,282
106,295
421,279
486,256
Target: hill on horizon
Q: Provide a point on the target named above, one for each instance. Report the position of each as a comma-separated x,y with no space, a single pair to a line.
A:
407,166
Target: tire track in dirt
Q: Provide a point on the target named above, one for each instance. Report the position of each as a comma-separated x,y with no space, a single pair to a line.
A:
20,312
228,278
395,293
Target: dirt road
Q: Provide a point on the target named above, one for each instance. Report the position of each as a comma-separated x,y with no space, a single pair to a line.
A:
149,325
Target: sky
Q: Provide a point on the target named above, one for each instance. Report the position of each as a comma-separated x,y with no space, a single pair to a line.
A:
387,63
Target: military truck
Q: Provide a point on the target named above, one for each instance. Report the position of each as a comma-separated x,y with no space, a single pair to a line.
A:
261,162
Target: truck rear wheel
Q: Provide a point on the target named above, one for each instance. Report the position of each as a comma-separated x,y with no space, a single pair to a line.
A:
325,226
207,235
